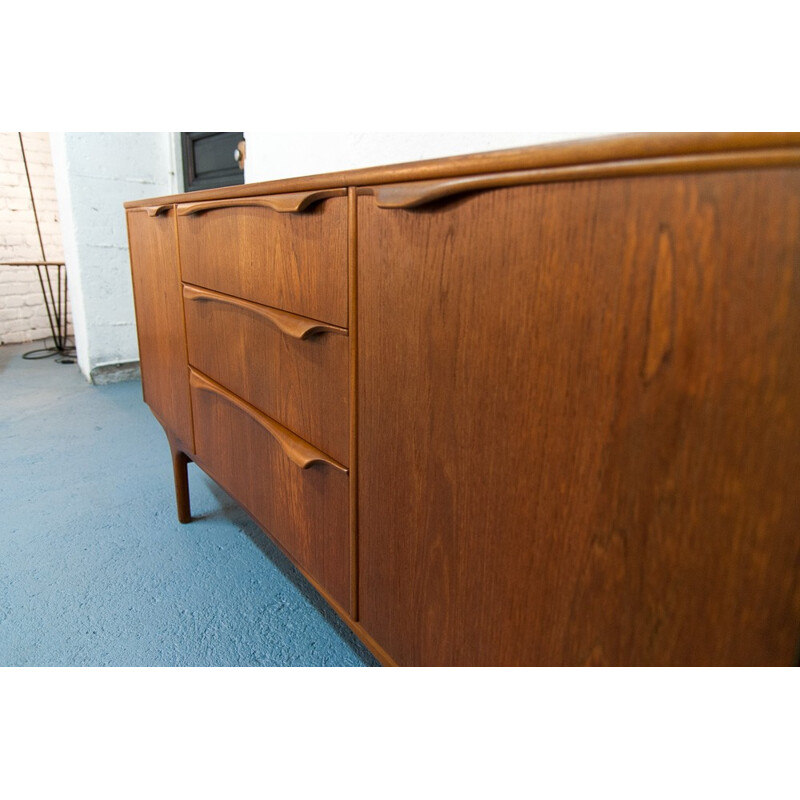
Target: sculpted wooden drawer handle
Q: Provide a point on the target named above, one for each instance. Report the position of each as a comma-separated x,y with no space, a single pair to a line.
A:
154,211
297,450
291,324
291,202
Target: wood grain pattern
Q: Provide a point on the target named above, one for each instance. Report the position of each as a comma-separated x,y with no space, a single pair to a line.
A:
301,383
304,510
620,148
159,322
579,423
293,262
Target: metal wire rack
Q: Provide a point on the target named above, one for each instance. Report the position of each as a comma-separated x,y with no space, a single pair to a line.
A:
55,301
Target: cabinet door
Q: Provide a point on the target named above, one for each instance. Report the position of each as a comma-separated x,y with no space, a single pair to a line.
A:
579,423
159,320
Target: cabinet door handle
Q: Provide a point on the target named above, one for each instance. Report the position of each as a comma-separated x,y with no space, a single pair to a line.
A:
417,193
297,450
291,324
291,202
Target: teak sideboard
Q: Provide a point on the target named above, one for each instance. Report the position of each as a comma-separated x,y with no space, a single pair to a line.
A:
532,407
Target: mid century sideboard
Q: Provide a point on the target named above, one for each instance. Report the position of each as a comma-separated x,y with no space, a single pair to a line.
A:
532,407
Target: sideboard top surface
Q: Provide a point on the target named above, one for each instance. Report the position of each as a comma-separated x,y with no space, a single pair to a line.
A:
705,149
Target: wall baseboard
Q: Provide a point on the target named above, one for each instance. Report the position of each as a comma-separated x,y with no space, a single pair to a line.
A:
115,373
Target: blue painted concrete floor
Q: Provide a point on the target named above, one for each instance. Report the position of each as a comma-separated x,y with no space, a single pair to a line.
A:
95,569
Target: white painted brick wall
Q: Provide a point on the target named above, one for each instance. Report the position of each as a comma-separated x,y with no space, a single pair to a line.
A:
23,317
95,174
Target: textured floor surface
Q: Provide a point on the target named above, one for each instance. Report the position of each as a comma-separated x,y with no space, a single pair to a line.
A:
95,569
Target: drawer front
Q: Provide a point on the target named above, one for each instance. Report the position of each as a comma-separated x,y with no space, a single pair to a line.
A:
285,253
289,488
293,369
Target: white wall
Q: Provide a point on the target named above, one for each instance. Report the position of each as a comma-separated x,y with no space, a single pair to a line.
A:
286,155
95,174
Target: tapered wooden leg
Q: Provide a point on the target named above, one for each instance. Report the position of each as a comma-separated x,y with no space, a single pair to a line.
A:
179,462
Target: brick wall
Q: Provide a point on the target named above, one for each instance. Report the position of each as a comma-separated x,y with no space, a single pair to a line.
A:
23,317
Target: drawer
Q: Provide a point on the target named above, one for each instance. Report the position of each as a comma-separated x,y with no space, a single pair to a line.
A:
285,251
293,369
292,490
